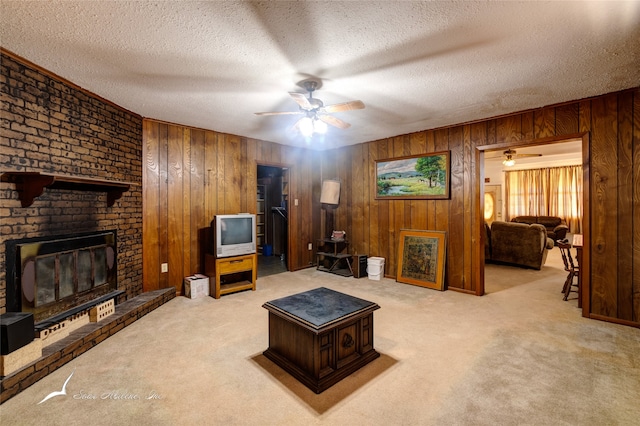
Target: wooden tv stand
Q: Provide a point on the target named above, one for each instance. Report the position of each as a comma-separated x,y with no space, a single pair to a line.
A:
231,274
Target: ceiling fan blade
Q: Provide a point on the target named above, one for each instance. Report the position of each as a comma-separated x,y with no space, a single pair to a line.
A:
280,113
346,106
301,100
336,122
528,155
493,157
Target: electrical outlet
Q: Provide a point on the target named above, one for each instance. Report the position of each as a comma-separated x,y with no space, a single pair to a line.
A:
310,246
164,267
295,202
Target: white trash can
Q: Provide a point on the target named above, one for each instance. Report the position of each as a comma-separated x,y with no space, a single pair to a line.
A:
375,268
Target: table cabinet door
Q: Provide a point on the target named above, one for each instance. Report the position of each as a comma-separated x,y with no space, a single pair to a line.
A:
348,346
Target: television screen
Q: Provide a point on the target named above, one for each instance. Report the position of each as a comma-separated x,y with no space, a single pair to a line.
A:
236,230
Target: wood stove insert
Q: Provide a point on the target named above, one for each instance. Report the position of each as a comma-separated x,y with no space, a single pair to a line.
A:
58,276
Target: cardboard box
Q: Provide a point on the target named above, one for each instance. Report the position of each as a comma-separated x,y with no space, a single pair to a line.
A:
19,358
196,286
102,311
60,330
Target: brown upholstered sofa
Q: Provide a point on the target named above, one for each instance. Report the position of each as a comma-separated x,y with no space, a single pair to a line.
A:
556,227
517,244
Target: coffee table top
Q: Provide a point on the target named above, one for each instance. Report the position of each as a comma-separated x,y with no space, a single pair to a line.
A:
320,307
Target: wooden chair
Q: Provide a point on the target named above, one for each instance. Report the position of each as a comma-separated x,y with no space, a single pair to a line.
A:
572,268
563,251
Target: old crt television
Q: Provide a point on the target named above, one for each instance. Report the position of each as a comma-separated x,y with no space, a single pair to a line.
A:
233,234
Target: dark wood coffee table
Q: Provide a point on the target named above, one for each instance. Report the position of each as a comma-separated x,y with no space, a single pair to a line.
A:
320,336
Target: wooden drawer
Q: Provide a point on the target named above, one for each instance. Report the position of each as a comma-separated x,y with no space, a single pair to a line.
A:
235,265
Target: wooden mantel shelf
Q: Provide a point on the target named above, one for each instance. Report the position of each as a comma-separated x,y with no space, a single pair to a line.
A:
31,185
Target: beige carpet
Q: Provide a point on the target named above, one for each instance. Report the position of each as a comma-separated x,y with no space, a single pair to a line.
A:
518,356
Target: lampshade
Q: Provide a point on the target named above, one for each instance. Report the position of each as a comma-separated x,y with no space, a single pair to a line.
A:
319,126
306,126
330,192
310,125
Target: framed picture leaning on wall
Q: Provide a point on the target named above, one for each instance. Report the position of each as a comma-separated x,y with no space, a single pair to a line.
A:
421,258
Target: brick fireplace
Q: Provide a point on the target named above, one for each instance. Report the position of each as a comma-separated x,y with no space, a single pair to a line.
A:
52,126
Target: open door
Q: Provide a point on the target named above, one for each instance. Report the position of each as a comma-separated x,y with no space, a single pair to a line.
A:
273,223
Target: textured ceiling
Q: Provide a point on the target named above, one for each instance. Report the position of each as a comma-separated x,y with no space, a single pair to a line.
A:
415,65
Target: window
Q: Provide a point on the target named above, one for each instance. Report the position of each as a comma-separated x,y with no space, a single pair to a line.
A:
553,191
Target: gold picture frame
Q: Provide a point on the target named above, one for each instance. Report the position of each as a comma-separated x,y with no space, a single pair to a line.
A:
421,258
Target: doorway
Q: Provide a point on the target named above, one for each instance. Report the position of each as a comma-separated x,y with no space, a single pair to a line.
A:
537,154
272,224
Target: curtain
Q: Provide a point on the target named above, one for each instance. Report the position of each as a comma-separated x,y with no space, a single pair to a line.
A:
553,191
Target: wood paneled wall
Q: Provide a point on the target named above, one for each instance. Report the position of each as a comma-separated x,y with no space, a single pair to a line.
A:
610,125
190,175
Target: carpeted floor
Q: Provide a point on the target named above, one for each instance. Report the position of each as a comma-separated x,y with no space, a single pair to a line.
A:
269,265
517,356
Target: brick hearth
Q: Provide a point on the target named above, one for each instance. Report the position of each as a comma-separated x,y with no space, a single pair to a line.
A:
81,340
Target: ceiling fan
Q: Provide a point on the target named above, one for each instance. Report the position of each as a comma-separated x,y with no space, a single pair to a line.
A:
509,157
316,114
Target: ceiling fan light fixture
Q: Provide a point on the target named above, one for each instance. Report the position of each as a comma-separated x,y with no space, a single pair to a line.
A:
509,162
317,116
508,158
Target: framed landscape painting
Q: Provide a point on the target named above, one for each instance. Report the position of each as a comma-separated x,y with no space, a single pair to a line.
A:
424,176
421,256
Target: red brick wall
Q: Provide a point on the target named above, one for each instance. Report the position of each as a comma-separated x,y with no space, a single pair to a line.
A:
49,125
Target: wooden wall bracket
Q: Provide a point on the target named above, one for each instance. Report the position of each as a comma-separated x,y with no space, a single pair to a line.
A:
30,185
